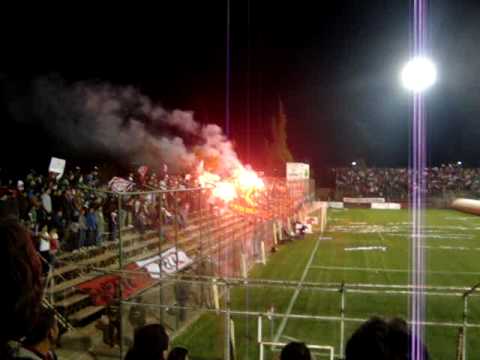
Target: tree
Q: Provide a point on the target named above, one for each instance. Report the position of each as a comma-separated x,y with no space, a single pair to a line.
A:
277,150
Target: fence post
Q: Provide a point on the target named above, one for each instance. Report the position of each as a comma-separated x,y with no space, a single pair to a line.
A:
160,239
120,262
227,323
465,320
259,338
342,322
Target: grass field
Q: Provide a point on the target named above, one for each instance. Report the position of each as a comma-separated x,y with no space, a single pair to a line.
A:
452,247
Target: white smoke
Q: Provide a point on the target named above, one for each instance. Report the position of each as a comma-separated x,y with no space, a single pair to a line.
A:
119,121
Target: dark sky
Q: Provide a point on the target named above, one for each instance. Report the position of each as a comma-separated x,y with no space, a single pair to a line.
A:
334,64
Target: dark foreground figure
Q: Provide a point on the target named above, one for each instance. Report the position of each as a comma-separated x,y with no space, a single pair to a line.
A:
378,339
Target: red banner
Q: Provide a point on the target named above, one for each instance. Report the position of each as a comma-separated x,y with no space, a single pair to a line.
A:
104,288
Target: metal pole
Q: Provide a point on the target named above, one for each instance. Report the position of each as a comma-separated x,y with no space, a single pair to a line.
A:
160,238
227,323
465,321
342,322
120,261
175,200
259,339
177,283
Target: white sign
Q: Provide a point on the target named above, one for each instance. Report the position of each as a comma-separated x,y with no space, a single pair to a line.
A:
386,206
168,259
57,166
363,200
297,171
335,204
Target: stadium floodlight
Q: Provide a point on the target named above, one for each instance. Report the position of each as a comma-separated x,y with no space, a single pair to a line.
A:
419,74
354,163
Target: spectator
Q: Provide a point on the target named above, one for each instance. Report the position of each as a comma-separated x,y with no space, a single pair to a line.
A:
137,315
150,343
82,228
91,221
58,222
295,351
40,342
54,243
23,202
68,206
178,353
20,268
73,235
182,293
113,224
100,225
47,201
44,247
378,339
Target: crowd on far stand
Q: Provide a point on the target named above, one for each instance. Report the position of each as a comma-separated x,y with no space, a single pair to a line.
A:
67,213
394,182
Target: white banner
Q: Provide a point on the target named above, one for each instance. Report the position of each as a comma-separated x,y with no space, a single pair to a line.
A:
335,204
170,263
57,166
297,171
119,184
363,200
386,206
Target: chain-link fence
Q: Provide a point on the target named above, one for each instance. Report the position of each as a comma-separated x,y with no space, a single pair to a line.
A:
158,248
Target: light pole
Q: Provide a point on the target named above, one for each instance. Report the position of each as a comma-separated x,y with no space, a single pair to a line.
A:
417,76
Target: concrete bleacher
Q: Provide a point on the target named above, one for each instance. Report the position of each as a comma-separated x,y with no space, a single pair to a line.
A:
205,234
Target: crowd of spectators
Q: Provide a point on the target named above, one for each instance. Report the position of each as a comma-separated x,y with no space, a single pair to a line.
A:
72,212
393,183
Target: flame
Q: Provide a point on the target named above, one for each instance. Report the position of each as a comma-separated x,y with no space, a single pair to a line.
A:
225,190
244,183
248,180
208,179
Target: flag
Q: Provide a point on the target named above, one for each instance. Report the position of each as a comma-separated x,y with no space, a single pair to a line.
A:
119,184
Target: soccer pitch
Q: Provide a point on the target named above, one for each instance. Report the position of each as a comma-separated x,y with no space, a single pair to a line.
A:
360,246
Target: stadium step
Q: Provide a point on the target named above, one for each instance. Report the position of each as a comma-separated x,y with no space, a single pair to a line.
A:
69,284
80,317
72,300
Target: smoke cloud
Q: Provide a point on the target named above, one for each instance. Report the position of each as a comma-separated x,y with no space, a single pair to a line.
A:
120,122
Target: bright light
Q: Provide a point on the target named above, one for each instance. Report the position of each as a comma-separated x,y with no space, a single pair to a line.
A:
354,163
248,179
225,191
419,74
459,163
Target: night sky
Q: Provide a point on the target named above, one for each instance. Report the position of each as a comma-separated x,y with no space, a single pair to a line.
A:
334,65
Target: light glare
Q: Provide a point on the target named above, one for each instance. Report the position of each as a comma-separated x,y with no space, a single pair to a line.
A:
419,74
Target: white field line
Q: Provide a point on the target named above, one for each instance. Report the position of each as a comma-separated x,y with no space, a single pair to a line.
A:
379,270
463,248
296,293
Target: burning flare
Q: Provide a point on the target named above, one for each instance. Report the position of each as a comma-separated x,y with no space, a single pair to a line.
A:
244,183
